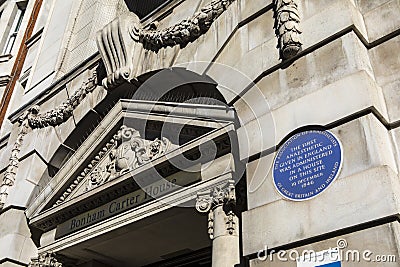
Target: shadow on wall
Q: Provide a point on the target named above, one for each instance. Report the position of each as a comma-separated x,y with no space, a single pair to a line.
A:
143,8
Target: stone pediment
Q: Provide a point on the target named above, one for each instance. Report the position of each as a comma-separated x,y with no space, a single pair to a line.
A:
101,170
126,151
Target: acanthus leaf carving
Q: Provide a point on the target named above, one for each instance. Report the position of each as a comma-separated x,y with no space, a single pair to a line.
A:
220,195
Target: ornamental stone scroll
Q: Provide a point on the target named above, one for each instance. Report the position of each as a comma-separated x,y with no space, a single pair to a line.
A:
117,41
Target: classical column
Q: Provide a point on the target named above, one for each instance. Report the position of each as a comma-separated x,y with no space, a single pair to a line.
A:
223,223
46,259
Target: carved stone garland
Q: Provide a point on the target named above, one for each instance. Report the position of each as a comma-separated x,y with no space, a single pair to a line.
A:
219,196
12,168
184,32
46,259
63,112
31,119
116,42
287,19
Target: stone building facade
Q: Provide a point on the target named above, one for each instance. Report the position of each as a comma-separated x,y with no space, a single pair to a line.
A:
146,133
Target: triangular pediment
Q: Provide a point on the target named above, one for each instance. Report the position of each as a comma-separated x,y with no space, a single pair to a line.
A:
124,152
128,142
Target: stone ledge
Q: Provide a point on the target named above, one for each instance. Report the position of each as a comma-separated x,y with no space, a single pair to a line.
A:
343,205
382,20
354,93
15,242
365,143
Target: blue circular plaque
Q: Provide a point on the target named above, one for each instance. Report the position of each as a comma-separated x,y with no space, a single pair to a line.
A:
307,164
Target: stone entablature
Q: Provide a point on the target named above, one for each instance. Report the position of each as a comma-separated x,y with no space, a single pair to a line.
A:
127,183
126,157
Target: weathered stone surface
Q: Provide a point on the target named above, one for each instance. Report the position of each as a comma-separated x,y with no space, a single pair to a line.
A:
364,141
30,171
245,46
382,20
15,242
260,30
366,5
386,66
248,8
306,75
335,101
207,46
332,18
385,62
396,139
346,197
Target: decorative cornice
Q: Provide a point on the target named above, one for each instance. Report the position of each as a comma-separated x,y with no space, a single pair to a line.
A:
93,163
287,19
48,218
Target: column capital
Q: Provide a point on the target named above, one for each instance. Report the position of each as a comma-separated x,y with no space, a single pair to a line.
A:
217,196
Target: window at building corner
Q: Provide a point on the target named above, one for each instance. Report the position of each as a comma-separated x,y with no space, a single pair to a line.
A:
19,15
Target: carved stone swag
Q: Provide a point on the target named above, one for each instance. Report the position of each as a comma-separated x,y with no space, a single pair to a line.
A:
117,40
116,45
